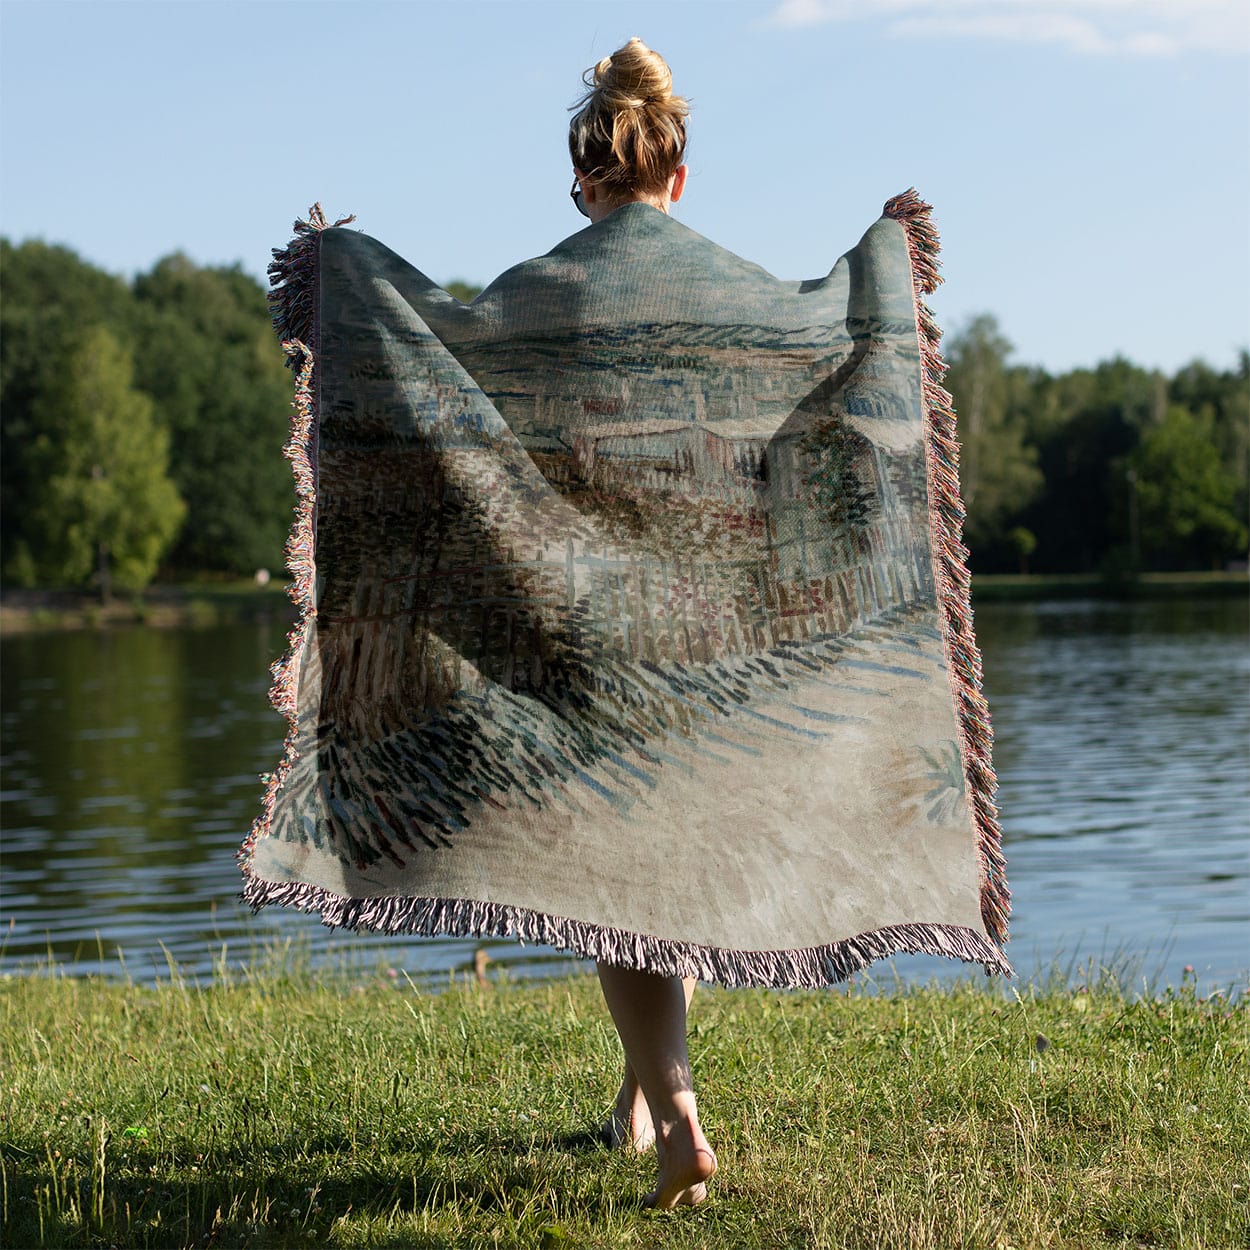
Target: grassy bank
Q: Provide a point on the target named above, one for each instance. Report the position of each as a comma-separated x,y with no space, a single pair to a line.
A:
287,1110
190,603
997,587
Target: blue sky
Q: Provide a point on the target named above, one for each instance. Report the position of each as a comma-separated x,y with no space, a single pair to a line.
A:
1089,160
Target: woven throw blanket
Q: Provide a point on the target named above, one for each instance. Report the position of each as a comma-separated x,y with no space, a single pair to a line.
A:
634,617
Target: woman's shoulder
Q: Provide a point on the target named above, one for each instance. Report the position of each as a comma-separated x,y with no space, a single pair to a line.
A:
639,265
639,235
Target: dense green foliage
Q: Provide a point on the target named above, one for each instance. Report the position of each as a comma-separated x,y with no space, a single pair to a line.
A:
206,352
1112,470
284,1110
51,299
105,502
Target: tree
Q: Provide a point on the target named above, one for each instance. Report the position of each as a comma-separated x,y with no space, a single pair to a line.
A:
103,503
997,468
1024,543
1185,494
208,357
1086,423
51,297
1223,399
464,291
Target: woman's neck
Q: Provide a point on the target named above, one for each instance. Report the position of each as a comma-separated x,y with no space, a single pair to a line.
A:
601,208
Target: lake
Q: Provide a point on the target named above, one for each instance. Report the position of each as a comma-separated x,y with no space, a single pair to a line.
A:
130,775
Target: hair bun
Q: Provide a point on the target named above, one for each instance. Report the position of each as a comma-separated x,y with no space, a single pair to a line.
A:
634,76
630,129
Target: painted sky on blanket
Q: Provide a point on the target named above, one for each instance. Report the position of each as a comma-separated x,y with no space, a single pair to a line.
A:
1088,159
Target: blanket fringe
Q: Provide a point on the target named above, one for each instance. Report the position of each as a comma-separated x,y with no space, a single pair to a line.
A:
293,280
807,968
293,305
947,514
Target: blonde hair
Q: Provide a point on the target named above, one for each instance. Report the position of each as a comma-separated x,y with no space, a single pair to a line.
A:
629,133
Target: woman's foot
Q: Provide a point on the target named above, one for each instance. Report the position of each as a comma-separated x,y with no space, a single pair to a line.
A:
649,1011
686,1165
629,1126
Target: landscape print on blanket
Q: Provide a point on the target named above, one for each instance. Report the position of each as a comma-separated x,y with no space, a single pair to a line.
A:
597,582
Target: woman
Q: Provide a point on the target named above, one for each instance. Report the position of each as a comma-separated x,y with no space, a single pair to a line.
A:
628,142
635,620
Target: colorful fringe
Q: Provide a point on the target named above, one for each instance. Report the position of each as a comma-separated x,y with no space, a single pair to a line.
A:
954,583
293,306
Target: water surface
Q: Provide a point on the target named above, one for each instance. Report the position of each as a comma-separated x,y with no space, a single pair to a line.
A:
131,760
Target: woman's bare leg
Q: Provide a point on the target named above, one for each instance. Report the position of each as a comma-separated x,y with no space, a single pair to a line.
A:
629,1125
650,1015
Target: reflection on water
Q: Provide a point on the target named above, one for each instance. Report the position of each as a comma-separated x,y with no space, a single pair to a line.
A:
131,762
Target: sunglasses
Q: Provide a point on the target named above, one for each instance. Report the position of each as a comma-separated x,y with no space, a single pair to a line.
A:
576,196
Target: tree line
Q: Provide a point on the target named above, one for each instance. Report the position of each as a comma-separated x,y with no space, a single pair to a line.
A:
142,423
1112,470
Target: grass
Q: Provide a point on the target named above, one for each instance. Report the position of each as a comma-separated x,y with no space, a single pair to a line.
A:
194,603
1011,587
286,1108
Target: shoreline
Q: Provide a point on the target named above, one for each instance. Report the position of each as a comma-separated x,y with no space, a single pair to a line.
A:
175,605
205,604
1032,587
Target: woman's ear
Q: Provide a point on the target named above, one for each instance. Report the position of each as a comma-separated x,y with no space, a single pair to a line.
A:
588,186
678,184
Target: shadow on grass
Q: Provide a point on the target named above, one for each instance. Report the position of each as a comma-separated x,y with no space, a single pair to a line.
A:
257,1198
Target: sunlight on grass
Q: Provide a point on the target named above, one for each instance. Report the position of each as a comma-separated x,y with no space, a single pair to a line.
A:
278,1106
